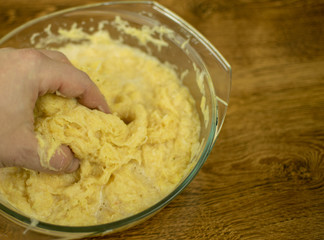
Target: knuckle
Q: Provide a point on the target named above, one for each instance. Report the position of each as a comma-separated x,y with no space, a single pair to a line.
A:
30,54
31,58
61,56
85,76
86,82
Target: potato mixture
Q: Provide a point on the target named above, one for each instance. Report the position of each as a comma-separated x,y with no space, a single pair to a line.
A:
129,159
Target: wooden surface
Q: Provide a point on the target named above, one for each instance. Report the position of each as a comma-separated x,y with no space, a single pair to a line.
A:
265,176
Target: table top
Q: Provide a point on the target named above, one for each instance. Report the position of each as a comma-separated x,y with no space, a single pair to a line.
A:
264,179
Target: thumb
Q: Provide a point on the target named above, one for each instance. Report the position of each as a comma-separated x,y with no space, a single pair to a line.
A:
21,150
63,160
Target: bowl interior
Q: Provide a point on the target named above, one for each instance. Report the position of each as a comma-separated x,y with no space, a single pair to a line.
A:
199,65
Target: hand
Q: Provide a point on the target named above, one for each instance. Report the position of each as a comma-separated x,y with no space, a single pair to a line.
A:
26,74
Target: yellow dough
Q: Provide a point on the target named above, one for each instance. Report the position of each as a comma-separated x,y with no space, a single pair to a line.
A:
130,159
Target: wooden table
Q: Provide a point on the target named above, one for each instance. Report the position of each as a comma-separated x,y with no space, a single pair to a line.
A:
265,176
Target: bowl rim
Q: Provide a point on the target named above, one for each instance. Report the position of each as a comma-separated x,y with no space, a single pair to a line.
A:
213,134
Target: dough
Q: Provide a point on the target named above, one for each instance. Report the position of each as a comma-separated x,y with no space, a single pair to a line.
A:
130,159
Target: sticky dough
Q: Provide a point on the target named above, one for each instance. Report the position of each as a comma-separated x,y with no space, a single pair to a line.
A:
130,159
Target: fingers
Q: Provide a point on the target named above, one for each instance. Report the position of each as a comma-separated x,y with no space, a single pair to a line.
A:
70,82
92,98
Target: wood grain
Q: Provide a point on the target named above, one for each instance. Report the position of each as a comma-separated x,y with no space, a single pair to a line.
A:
265,176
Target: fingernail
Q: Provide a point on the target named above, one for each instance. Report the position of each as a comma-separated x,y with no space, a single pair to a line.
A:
100,108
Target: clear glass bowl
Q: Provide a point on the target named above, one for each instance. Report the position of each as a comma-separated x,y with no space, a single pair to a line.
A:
187,50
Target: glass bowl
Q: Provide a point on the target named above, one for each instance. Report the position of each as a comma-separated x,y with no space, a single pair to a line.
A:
208,77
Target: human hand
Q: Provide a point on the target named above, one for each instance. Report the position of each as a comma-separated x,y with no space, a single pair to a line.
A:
25,75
